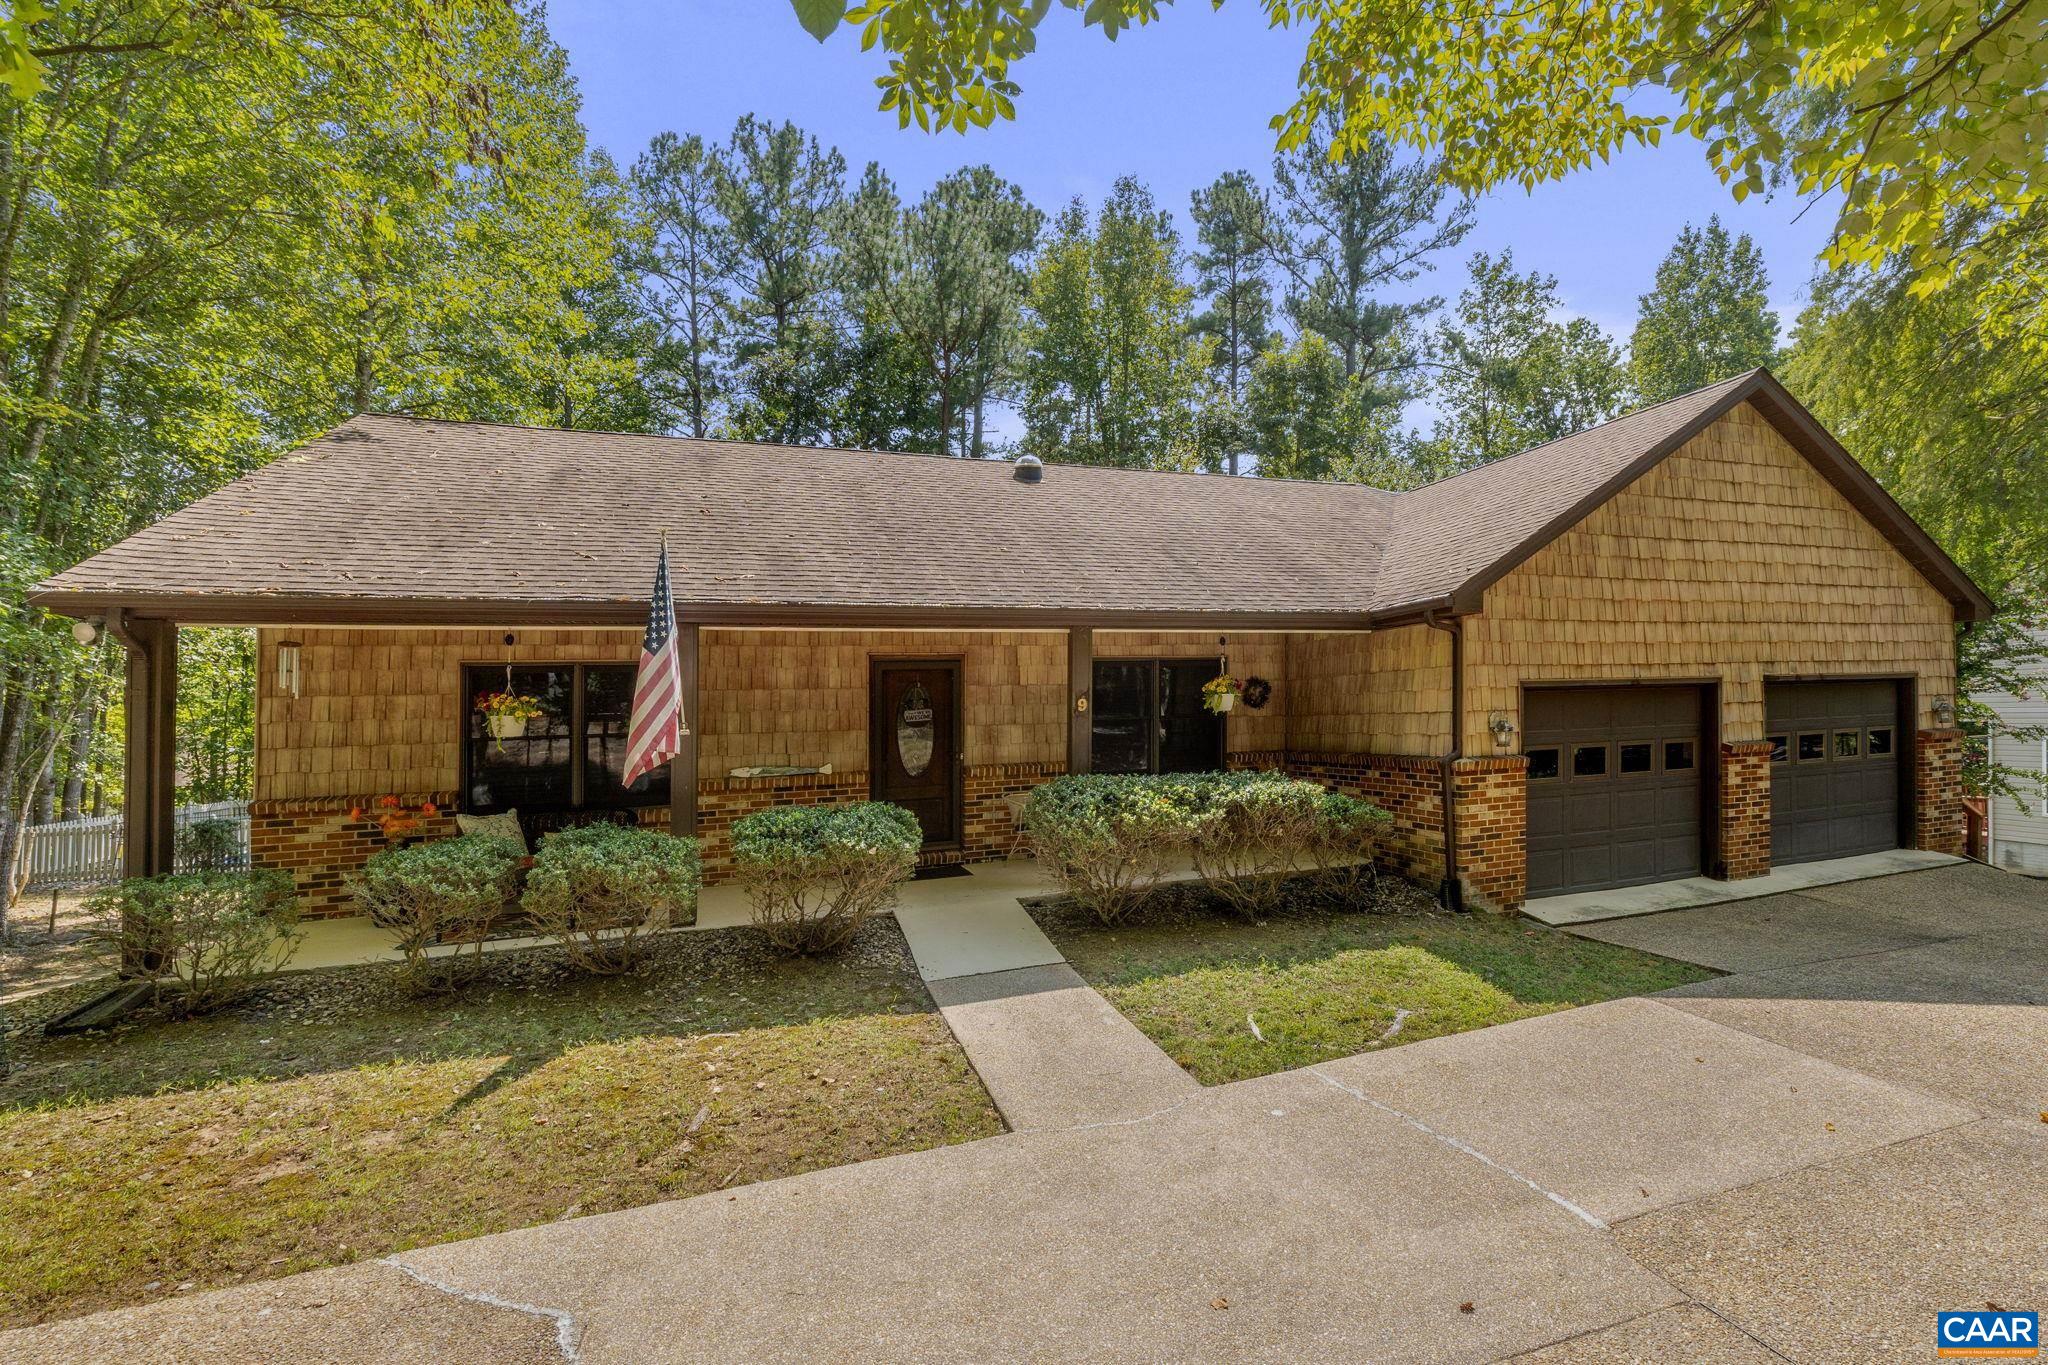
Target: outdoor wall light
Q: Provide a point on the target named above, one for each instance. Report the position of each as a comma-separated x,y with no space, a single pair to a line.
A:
288,670
1503,729
1944,710
85,632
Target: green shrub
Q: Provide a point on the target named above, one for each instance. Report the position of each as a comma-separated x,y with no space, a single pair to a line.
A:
209,845
1106,839
1345,845
596,888
1247,831
814,874
446,891
201,937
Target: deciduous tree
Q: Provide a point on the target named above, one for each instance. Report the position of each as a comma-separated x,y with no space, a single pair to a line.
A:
1708,316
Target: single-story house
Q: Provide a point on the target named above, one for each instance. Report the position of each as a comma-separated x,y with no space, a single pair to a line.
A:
1696,639
2017,837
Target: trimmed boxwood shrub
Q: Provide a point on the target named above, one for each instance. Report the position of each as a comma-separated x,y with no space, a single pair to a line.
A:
1106,839
596,889
202,937
813,874
441,892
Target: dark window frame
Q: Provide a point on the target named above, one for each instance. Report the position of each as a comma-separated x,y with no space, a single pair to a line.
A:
1152,717
1606,760
477,677
1692,756
1835,744
1781,747
1890,741
1799,746
1557,772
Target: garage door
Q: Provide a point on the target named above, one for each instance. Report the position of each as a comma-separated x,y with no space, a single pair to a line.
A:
1834,768
1614,786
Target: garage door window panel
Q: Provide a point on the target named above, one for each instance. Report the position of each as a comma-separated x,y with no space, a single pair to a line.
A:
1636,758
1543,764
1589,760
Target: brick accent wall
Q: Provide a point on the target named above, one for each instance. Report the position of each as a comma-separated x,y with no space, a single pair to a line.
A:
988,831
1938,779
1493,830
720,801
1407,787
1745,814
322,842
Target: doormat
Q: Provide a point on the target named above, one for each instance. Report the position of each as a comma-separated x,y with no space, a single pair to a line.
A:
933,873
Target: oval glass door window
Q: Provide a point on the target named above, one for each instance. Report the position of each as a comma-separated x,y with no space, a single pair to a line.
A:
914,730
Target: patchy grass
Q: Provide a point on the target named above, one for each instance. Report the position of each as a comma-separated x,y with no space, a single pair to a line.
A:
328,1117
1322,983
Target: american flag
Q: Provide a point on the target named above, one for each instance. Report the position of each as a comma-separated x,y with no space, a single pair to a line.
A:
656,735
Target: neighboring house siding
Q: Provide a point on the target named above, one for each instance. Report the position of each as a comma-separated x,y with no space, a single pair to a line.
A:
1731,561
2019,829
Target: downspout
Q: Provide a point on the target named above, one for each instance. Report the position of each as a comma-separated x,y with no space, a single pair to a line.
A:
1452,892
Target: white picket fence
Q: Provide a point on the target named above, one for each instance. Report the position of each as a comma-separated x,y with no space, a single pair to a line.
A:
82,852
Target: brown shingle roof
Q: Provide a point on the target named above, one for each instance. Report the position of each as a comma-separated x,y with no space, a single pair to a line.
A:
395,518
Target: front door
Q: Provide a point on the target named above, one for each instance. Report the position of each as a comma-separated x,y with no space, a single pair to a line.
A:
914,742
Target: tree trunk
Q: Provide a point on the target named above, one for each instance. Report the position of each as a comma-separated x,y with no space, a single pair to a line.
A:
77,761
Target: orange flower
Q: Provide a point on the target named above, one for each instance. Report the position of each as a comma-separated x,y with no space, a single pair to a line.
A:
429,808
355,812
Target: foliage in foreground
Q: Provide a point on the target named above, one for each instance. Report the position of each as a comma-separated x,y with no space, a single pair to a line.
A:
814,874
201,937
596,889
443,892
1106,839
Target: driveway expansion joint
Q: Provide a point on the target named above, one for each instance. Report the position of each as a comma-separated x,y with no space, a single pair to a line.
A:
568,1336
1459,1145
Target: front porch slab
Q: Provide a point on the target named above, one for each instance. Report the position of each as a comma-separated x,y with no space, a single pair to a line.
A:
1584,907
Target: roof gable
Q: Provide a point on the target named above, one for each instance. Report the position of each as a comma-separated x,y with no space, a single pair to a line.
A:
1456,538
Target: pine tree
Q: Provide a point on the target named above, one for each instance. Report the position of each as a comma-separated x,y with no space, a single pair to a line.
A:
944,278
1112,372
1707,318
780,194
685,246
1352,228
1233,233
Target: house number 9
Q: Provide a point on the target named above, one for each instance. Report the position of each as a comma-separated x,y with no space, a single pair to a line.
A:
1081,702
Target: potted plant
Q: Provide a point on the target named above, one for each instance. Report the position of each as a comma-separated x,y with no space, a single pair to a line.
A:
506,714
1221,692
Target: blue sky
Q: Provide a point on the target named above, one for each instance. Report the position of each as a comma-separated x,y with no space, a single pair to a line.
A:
1175,104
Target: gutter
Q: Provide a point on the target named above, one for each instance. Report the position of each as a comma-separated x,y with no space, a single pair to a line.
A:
1452,891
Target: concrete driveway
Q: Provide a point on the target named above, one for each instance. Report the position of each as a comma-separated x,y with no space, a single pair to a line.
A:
1803,1160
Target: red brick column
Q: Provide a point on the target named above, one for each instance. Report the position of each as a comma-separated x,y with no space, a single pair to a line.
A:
1745,813
1938,781
1493,830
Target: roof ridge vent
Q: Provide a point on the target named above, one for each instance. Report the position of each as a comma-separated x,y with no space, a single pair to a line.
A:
1030,469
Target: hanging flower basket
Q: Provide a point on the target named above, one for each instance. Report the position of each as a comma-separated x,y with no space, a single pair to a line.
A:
506,713
1220,693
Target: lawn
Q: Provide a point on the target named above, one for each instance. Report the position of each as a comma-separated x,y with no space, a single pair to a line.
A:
328,1118
1229,999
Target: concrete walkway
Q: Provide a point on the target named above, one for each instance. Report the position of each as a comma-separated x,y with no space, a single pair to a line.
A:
1584,907
1052,1052
1796,1162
